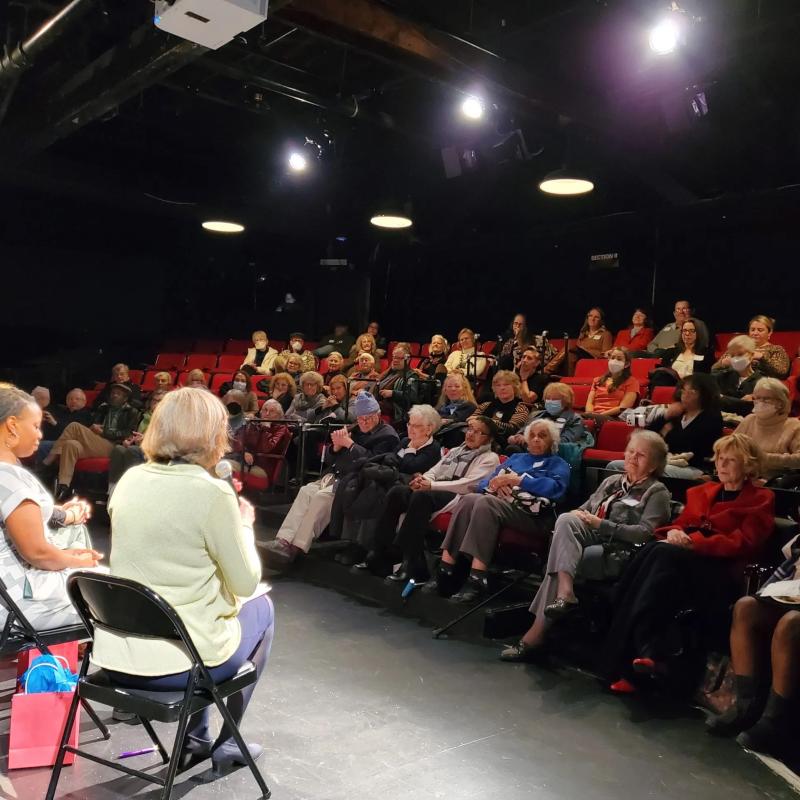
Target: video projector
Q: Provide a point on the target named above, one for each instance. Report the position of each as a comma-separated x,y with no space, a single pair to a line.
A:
211,23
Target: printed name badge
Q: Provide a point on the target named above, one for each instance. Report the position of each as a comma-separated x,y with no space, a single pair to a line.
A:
597,336
698,358
538,464
630,501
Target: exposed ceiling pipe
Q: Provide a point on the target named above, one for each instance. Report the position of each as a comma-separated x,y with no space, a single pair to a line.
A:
20,58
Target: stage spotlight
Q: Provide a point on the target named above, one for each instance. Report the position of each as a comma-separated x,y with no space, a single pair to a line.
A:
664,37
297,162
219,226
472,108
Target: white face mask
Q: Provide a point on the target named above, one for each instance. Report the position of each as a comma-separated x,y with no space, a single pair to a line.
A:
763,410
239,386
739,363
615,365
261,345
297,346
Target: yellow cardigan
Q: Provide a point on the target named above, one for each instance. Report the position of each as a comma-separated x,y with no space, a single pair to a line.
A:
178,530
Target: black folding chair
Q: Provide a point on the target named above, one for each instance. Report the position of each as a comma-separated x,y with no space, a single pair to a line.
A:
19,635
127,608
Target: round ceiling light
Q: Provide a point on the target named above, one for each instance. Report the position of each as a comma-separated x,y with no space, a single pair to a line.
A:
220,226
392,220
565,183
472,107
297,162
664,37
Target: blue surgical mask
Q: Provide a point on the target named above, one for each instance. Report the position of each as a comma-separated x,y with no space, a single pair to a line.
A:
553,407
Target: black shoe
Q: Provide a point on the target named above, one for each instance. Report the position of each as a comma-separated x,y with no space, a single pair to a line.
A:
193,752
227,756
128,717
775,733
521,652
560,608
474,589
744,713
378,564
352,555
63,492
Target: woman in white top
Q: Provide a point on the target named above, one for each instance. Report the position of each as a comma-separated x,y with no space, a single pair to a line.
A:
184,534
41,541
465,359
686,358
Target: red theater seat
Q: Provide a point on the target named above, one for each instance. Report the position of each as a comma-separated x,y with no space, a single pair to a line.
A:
204,361
581,392
166,361
611,442
239,346
218,379
662,395
229,362
208,346
586,370
93,465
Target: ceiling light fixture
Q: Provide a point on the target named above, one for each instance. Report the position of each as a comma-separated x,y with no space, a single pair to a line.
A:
565,182
297,162
220,226
391,219
473,107
664,37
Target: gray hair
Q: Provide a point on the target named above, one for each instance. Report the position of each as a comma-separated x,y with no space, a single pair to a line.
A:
427,415
13,402
552,430
657,447
744,341
777,389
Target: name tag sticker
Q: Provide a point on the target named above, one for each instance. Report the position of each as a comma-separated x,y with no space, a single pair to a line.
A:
698,358
630,501
538,464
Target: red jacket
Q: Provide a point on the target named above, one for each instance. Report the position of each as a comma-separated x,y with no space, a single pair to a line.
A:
261,439
736,529
638,342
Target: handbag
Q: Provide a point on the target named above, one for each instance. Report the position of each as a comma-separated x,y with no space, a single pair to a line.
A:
37,722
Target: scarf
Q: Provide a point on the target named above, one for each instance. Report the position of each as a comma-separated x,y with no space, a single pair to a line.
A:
456,463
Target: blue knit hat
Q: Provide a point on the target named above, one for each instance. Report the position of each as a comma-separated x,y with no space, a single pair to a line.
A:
365,404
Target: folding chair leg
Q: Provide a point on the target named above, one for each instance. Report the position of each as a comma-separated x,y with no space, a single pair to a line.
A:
486,600
180,736
237,735
154,739
73,711
97,721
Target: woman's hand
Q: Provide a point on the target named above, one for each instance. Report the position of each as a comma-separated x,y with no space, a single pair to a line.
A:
247,511
516,438
675,409
725,361
420,484
507,479
341,439
98,429
248,459
82,558
587,518
679,538
48,417
758,355
330,401
136,437
77,510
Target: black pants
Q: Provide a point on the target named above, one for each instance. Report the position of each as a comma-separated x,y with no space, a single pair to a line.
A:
418,506
662,580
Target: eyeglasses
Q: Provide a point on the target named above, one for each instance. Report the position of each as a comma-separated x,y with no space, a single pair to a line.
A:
764,399
470,429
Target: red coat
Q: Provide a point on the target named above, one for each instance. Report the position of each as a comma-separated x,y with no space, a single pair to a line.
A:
260,439
738,528
638,342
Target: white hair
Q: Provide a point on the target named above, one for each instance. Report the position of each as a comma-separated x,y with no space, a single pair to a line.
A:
552,429
428,415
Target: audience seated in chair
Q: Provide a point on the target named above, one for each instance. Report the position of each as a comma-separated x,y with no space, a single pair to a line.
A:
594,339
335,364
516,339
771,360
457,473
365,343
736,377
364,368
204,564
241,382
260,358
506,410
56,418
764,656
296,346
434,365
114,422
373,329
362,494
532,380
558,399
129,453
120,374
502,499
397,387
670,335
197,379
309,402
340,341
690,427
613,391
40,540
696,564
294,367
624,510
684,359
259,438
311,511
638,336
162,380
283,388
455,405
466,359
774,431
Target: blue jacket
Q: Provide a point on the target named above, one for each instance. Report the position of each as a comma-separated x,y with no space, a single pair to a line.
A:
544,476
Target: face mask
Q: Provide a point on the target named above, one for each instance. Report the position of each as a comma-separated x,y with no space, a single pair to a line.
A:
240,386
297,346
261,345
615,366
763,409
553,407
739,363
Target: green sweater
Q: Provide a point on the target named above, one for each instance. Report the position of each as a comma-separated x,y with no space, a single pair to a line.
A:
178,530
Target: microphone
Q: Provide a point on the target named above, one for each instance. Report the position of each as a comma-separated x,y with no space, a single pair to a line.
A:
544,334
224,471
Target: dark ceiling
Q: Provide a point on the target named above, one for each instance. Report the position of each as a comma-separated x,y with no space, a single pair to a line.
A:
114,114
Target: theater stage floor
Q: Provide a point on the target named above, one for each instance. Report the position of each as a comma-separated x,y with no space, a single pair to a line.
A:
360,704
